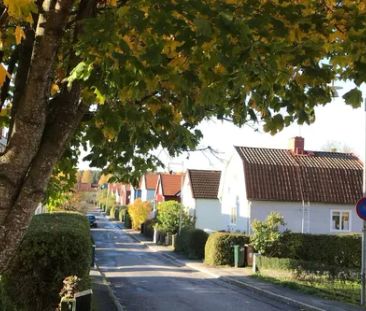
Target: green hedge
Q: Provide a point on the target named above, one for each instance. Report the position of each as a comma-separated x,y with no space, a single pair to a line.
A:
219,247
149,228
191,242
54,246
331,250
128,222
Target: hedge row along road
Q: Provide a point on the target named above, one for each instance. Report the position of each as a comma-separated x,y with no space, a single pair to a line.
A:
146,280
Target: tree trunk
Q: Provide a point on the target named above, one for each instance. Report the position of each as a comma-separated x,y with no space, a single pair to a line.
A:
26,165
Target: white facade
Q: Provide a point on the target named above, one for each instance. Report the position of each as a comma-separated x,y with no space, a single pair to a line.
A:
317,218
146,194
206,212
235,211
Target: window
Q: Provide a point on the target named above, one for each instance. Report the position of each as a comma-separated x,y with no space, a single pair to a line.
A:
340,220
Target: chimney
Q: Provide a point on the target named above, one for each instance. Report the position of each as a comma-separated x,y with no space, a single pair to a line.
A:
296,145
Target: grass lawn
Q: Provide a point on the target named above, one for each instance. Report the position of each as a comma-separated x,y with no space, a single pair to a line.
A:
345,291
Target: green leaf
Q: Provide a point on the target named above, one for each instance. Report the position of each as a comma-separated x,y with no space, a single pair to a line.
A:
353,98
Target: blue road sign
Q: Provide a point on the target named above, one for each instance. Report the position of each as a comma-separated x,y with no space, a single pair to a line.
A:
361,208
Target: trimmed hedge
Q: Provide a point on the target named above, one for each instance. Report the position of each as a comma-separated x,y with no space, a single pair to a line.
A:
149,228
332,250
54,246
191,242
219,247
128,222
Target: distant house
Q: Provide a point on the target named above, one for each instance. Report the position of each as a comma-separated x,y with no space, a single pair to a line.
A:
199,196
121,193
135,192
168,187
315,191
86,187
148,184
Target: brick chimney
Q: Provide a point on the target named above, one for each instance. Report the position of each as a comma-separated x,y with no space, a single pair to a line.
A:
296,145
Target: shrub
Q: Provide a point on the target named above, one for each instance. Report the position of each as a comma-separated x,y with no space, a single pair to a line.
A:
116,212
122,213
54,246
128,222
149,228
191,242
139,212
171,215
112,212
266,233
219,247
332,250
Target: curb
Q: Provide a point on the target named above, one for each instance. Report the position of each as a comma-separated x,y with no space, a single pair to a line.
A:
253,288
111,294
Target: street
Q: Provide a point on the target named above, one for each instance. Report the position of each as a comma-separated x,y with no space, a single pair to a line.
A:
146,280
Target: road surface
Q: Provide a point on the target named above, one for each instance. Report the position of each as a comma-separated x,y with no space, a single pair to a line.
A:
146,280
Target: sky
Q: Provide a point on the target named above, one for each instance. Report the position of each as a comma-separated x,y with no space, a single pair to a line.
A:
335,122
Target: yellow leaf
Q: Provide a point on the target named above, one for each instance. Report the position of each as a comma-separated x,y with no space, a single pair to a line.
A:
54,89
19,34
21,9
112,2
3,74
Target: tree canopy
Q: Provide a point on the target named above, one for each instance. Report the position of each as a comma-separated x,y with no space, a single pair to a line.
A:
125,77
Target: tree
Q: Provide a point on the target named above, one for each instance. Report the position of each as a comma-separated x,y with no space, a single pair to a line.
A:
87,177
139,212
267,233
130,76
171,217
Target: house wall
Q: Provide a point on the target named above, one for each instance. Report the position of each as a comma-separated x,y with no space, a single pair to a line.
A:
208,215
232,194
317,216
187,198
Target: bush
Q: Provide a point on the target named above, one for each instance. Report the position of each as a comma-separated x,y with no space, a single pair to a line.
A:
54,246
267,233
191,242
139,212
122,213
219,247
332,250
116,212
149,228
170,215
128,222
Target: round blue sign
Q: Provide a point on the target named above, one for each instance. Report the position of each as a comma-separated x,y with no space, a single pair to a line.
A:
361,208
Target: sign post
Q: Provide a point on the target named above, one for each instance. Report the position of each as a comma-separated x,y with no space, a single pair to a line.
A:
361,211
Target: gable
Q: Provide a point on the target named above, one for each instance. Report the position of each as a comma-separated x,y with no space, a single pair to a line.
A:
204,183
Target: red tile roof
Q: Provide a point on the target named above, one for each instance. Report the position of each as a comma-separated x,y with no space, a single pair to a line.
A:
280,175
204,183
171,184
151,180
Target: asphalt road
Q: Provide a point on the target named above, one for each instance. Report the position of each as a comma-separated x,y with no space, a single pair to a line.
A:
146,280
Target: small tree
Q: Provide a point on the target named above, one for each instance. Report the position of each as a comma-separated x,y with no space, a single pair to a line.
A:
267,233
139,212
171,215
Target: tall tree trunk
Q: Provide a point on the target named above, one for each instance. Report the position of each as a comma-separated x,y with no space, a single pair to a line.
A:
29,122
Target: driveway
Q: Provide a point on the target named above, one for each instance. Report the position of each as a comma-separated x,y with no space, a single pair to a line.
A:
146,280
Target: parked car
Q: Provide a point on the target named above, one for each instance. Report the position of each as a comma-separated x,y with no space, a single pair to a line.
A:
92,220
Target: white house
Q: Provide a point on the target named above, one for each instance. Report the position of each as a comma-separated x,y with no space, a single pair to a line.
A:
315,191
148,184
199,196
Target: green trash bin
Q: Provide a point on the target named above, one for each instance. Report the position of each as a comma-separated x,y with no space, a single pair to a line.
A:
238,256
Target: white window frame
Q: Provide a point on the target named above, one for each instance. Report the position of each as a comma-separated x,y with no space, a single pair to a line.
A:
341,211
234,208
